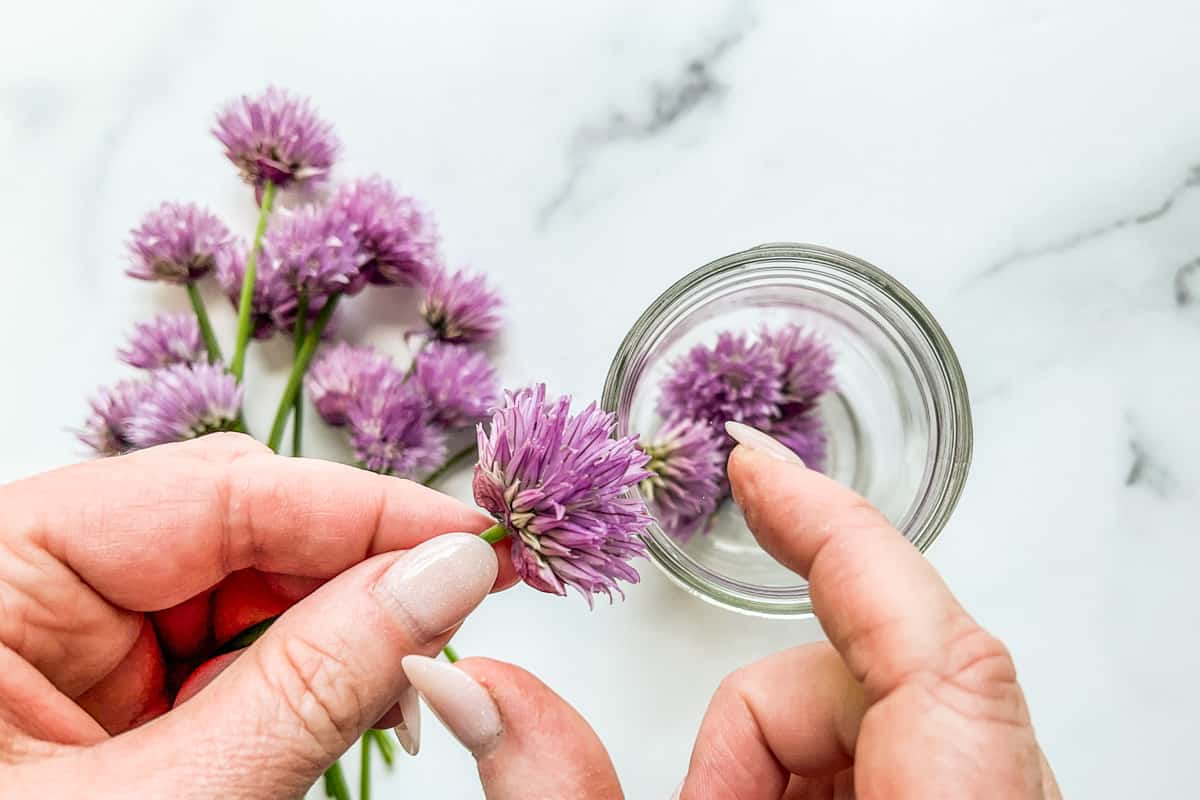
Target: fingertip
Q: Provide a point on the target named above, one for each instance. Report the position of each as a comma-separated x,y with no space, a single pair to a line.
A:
531,710
767,491
539,727
751,470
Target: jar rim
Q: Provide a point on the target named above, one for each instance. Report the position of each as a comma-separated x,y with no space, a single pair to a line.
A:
954,451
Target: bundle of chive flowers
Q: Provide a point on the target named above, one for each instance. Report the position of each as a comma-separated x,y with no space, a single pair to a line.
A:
772,381
558,484
301,263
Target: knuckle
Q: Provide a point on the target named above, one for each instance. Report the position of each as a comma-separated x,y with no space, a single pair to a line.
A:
317,690
857,515
247,494
226,446
979,659
979,679
733,687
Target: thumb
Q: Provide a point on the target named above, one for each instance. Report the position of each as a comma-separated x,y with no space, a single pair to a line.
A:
529,743
278,715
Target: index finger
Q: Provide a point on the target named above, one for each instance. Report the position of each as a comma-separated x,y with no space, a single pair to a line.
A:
153,528
883,606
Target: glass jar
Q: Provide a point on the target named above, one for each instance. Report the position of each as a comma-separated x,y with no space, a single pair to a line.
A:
898,421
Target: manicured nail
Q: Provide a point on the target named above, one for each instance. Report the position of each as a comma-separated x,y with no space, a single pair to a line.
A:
408,732
754,439
436,584
678,790
461,703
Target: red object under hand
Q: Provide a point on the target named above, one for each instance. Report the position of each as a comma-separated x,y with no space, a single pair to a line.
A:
135,691
184,629
243,599
204,675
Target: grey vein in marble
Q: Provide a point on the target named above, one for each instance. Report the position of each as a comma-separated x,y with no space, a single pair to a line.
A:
1073,240
690,88
1187,283
1145,471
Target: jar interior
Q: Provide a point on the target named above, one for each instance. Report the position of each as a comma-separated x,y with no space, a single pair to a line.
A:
897,421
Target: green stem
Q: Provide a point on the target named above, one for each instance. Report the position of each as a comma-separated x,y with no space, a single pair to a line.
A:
299,367
364,768
298,406
247,637
496,533
206,328
335,779
452,462
450,653
384,744
246,301
413,353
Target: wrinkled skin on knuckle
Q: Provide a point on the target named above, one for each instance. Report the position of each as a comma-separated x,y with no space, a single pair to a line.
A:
318,693
980,679
858,515
967,718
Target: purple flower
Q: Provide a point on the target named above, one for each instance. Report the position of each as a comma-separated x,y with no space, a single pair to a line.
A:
687,462
735,379
105,431
807,368
804,433
559,484
397,239
459,385
460,308
806,360
342,374
167,339
310,251
269,293
178,243
390,432
276,137
182,402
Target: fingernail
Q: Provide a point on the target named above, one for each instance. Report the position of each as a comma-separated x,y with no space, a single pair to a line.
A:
754,439
408,732
678,790
461,703
436,584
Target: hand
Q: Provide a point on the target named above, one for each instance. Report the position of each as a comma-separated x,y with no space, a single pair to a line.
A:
910,699
94,557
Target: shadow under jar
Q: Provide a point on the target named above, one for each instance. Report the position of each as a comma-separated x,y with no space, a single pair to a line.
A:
898,420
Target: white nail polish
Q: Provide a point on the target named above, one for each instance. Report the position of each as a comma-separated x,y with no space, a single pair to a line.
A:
754,439
408,732
462,704
436,584
678,790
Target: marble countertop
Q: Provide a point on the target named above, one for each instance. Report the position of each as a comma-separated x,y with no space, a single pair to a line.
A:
1030,169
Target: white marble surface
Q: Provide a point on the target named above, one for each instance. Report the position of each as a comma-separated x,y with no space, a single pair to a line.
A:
1028,168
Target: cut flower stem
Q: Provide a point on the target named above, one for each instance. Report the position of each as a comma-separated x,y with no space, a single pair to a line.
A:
335,783
303,358
452,462
364,768
298,406
206,328
246,300
496,533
